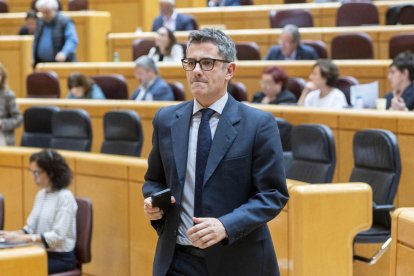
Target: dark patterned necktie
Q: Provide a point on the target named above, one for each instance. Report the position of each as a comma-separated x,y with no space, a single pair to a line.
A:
203,148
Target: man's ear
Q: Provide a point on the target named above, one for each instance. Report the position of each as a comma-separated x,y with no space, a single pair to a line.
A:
231,69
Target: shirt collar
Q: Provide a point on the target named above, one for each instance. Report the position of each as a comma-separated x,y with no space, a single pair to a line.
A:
172,17
217,106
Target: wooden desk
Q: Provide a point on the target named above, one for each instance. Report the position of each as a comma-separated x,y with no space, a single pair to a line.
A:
402,247
23,261
16,56
248,72
343,123
114,186
91,27
257,17
266,38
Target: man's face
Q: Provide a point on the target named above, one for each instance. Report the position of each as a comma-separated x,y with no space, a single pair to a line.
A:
287,44
143,76
31,25
396,78
208,86
166,9
48,14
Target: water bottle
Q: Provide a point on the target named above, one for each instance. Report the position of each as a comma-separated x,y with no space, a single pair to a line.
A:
359,102
116,57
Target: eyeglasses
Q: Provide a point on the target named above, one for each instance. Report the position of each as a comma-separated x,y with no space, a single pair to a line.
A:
206,64
35,173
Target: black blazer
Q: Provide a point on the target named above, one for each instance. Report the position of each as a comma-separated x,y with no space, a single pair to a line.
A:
284,97
303,52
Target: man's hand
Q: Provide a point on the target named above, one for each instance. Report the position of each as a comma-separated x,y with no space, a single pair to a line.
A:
60,57
397,103
206,232
154,213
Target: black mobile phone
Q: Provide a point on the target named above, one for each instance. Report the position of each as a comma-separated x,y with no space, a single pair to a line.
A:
162,199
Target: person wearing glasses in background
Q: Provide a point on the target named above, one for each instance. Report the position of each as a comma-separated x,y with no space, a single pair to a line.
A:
223,162
52,221
290,47
166,47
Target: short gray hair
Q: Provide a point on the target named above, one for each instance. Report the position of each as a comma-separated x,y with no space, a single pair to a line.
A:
47,4
226,47
147,63
293,30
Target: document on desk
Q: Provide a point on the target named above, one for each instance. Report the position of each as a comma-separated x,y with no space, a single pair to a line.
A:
4,245
368,92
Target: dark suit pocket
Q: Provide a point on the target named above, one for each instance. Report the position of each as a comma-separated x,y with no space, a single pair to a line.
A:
233,162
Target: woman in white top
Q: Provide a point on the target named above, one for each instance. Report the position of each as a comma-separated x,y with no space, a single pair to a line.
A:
166,47
319,92
52,220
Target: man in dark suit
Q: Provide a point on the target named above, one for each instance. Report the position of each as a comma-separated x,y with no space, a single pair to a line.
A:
171,19
218,3
290,48
223,162
152,87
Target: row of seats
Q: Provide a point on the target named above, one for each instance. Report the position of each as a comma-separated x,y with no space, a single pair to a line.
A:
376,162
84,226
50,127
344,46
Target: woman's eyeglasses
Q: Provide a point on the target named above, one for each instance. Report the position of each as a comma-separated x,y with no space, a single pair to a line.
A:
35,173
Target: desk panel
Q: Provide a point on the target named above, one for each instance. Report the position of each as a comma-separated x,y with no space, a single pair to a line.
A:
23,261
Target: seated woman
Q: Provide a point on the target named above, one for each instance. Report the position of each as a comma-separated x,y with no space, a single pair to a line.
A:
52,220
82,87
401,77
273,83
10,117
319,92
166,47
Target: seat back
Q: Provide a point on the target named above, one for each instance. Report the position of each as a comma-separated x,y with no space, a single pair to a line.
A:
122,133
377,162
238,90
285,131
319,46
294,1
246,2
178,90
141,47
71,130
352,46
400,43
37,126
298,17
295,85
344,84
406,15
43,85
113,86
357,14
1,212
78,5
84,226
4,8
313,152
247,51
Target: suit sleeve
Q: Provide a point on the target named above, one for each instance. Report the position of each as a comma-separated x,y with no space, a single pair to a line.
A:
163,93
268,179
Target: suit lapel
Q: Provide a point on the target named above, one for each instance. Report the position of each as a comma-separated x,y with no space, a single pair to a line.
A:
179,134
223,137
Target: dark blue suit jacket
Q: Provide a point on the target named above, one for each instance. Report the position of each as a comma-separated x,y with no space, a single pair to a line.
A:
160,91
244,186
303,52
183,22
408,97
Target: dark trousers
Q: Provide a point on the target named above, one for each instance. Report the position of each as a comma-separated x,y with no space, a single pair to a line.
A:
184,263
60,261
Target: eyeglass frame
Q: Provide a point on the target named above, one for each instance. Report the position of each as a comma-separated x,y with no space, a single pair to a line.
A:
199,62
36,173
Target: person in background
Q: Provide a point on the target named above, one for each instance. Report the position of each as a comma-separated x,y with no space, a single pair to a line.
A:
319,92
166,47
171,19
10,117
83,87
152,87
52,221
55,36
290,47
273,83
223,162
401,77
218,3
30,24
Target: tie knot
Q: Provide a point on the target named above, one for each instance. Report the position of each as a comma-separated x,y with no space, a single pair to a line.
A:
206,114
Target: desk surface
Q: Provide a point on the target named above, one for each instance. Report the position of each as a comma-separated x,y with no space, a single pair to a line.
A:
30,261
